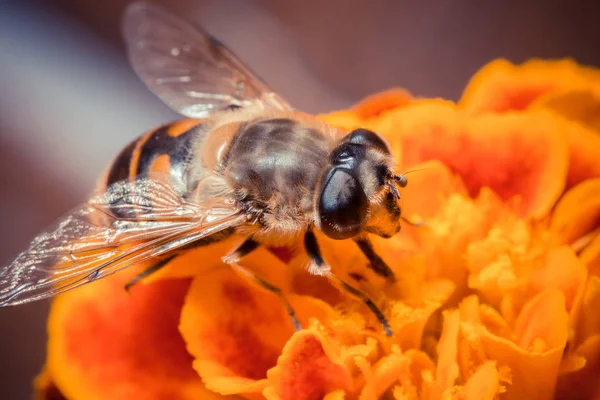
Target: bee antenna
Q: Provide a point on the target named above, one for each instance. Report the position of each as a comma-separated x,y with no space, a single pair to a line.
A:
416,170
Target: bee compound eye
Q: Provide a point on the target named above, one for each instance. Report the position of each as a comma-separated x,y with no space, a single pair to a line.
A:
368,138
343,205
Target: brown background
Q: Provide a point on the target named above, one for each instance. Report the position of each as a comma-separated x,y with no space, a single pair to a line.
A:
69,101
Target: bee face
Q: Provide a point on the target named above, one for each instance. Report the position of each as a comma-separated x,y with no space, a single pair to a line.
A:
358,190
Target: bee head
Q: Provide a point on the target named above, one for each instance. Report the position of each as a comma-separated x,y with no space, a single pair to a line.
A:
358,191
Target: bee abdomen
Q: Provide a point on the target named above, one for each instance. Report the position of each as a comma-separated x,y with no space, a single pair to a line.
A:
160,152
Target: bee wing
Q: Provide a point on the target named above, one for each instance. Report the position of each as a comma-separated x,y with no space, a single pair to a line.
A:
129,223
188,69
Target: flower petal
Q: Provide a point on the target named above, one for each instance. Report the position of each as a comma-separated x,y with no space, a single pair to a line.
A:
582,106
374,105
582,110
578,212
484,383
582,383
307,369
565,272
345,120
45,388
106,344
589,323
447,368
235,329
518,155
195,262
501,86
590,256
534,357
429,187
409,317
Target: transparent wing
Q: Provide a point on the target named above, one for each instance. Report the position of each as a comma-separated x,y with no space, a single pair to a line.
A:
129,223
188,69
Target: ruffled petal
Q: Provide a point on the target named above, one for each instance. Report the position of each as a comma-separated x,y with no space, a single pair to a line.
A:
521,156
45,388
484,384
565,272
590,256
430,185
583,383
501,86
589,324
534,357
235,330
447,368
582,110
308,368
346,120
106,344
582,106
374,105
408,318
578,212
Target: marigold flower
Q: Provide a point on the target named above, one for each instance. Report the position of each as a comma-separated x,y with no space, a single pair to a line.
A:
496,297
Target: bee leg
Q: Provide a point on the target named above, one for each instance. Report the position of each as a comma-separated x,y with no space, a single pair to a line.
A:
376,263
312,249
148,271
233,258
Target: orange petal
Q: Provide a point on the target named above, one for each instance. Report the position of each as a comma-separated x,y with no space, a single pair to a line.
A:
584,147
45,388
589,323
235,329
501,86
307,369
590,256
106,344
406,368
196,262
447,367
378,103
382,375
484,383
583,383
534,357
409,317
565,272
582,106
345,120
578,212
428,187
522,155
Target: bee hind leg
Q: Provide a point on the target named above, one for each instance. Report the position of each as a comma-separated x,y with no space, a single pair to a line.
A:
246,248
148,271
314,252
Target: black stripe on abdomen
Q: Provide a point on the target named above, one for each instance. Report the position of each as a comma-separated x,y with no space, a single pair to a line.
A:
178,148
121,166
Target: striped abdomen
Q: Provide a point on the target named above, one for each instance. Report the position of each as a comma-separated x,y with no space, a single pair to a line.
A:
164,151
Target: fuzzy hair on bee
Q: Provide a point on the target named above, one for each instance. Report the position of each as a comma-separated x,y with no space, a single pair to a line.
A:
244,162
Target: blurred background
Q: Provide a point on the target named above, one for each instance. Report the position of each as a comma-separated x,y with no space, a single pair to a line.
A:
69,101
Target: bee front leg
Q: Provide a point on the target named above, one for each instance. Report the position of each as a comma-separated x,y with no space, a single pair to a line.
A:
321,268
376,263
244,249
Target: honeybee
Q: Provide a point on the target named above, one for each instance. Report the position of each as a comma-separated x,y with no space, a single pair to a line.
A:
244,162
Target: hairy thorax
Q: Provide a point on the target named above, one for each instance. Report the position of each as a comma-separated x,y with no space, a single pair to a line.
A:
273,166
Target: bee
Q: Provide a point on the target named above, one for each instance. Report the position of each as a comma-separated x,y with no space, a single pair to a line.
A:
243,162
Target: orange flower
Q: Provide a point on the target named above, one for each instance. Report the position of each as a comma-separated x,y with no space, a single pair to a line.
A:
497,295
